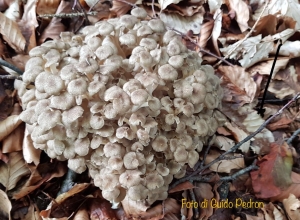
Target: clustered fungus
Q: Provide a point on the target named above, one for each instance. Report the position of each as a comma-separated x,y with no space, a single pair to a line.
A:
124,98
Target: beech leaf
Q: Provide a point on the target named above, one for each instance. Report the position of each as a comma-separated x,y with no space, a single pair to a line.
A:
11,33
13,171
164,3
6,206
242,13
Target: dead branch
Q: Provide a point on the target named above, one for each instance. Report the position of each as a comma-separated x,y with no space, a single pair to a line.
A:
67,15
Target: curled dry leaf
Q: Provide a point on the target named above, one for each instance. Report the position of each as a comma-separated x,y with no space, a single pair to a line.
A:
6,206
183,24
8,125
290,49
205,33
217,30
13,12
242,13
164,3
30,153
214,5
12,34
13,171
182,186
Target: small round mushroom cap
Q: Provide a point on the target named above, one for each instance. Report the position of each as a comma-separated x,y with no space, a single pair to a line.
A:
87,66
168,36
173,166
94,43
130,178
154,180
193,158
104,52
181,155
160,143
144,30
49,119
119,98
137,193
82,146
63,101
210,101
127,39
68,72
162,169
176,61
31,74
148,43
52,56
113,149
77,164
131,86
105,28
34,62
199,93
38,51
182,89
128,21
131,161
115,163
96,122
53,85
139,97
201,127
71,115
146,60
77,86
167,72
157,25
111,195
139,12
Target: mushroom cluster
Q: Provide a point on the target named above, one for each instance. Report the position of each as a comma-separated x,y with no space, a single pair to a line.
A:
126,99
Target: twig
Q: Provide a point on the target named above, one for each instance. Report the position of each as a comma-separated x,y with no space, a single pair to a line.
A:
10,66
67,15
153,10
133,5
193,198
10,77
247,35
233,176
294,135
202,50
234,148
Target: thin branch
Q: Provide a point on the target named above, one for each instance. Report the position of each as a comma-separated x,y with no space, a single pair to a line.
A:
10,77
67,15
10,66
234,148
202,50
294,135
133,5
193,198
247,35
153,10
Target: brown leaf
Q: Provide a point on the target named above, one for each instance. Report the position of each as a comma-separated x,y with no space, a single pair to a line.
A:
281,123
205,33
240,87
82,214
29,23
12,34
164,3
292,205
121,7
13,171
217,30
182,186
241,11
274,172
31,154
266,26
55,27
47,6
101,209
8,125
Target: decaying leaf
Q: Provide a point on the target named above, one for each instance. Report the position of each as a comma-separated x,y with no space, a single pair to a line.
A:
242,13
274,174
217,30
121,7
183,24
183,186
224,166
12,34
8,125
13,171
46,6
290,49
205,33
241,80
272,211
264,68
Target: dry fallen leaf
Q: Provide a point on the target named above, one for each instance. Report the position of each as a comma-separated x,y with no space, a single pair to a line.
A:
216,31
183,24
8,125
242,13
183,186
13,171
12,34
205,33
164,3
224,166
292,205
